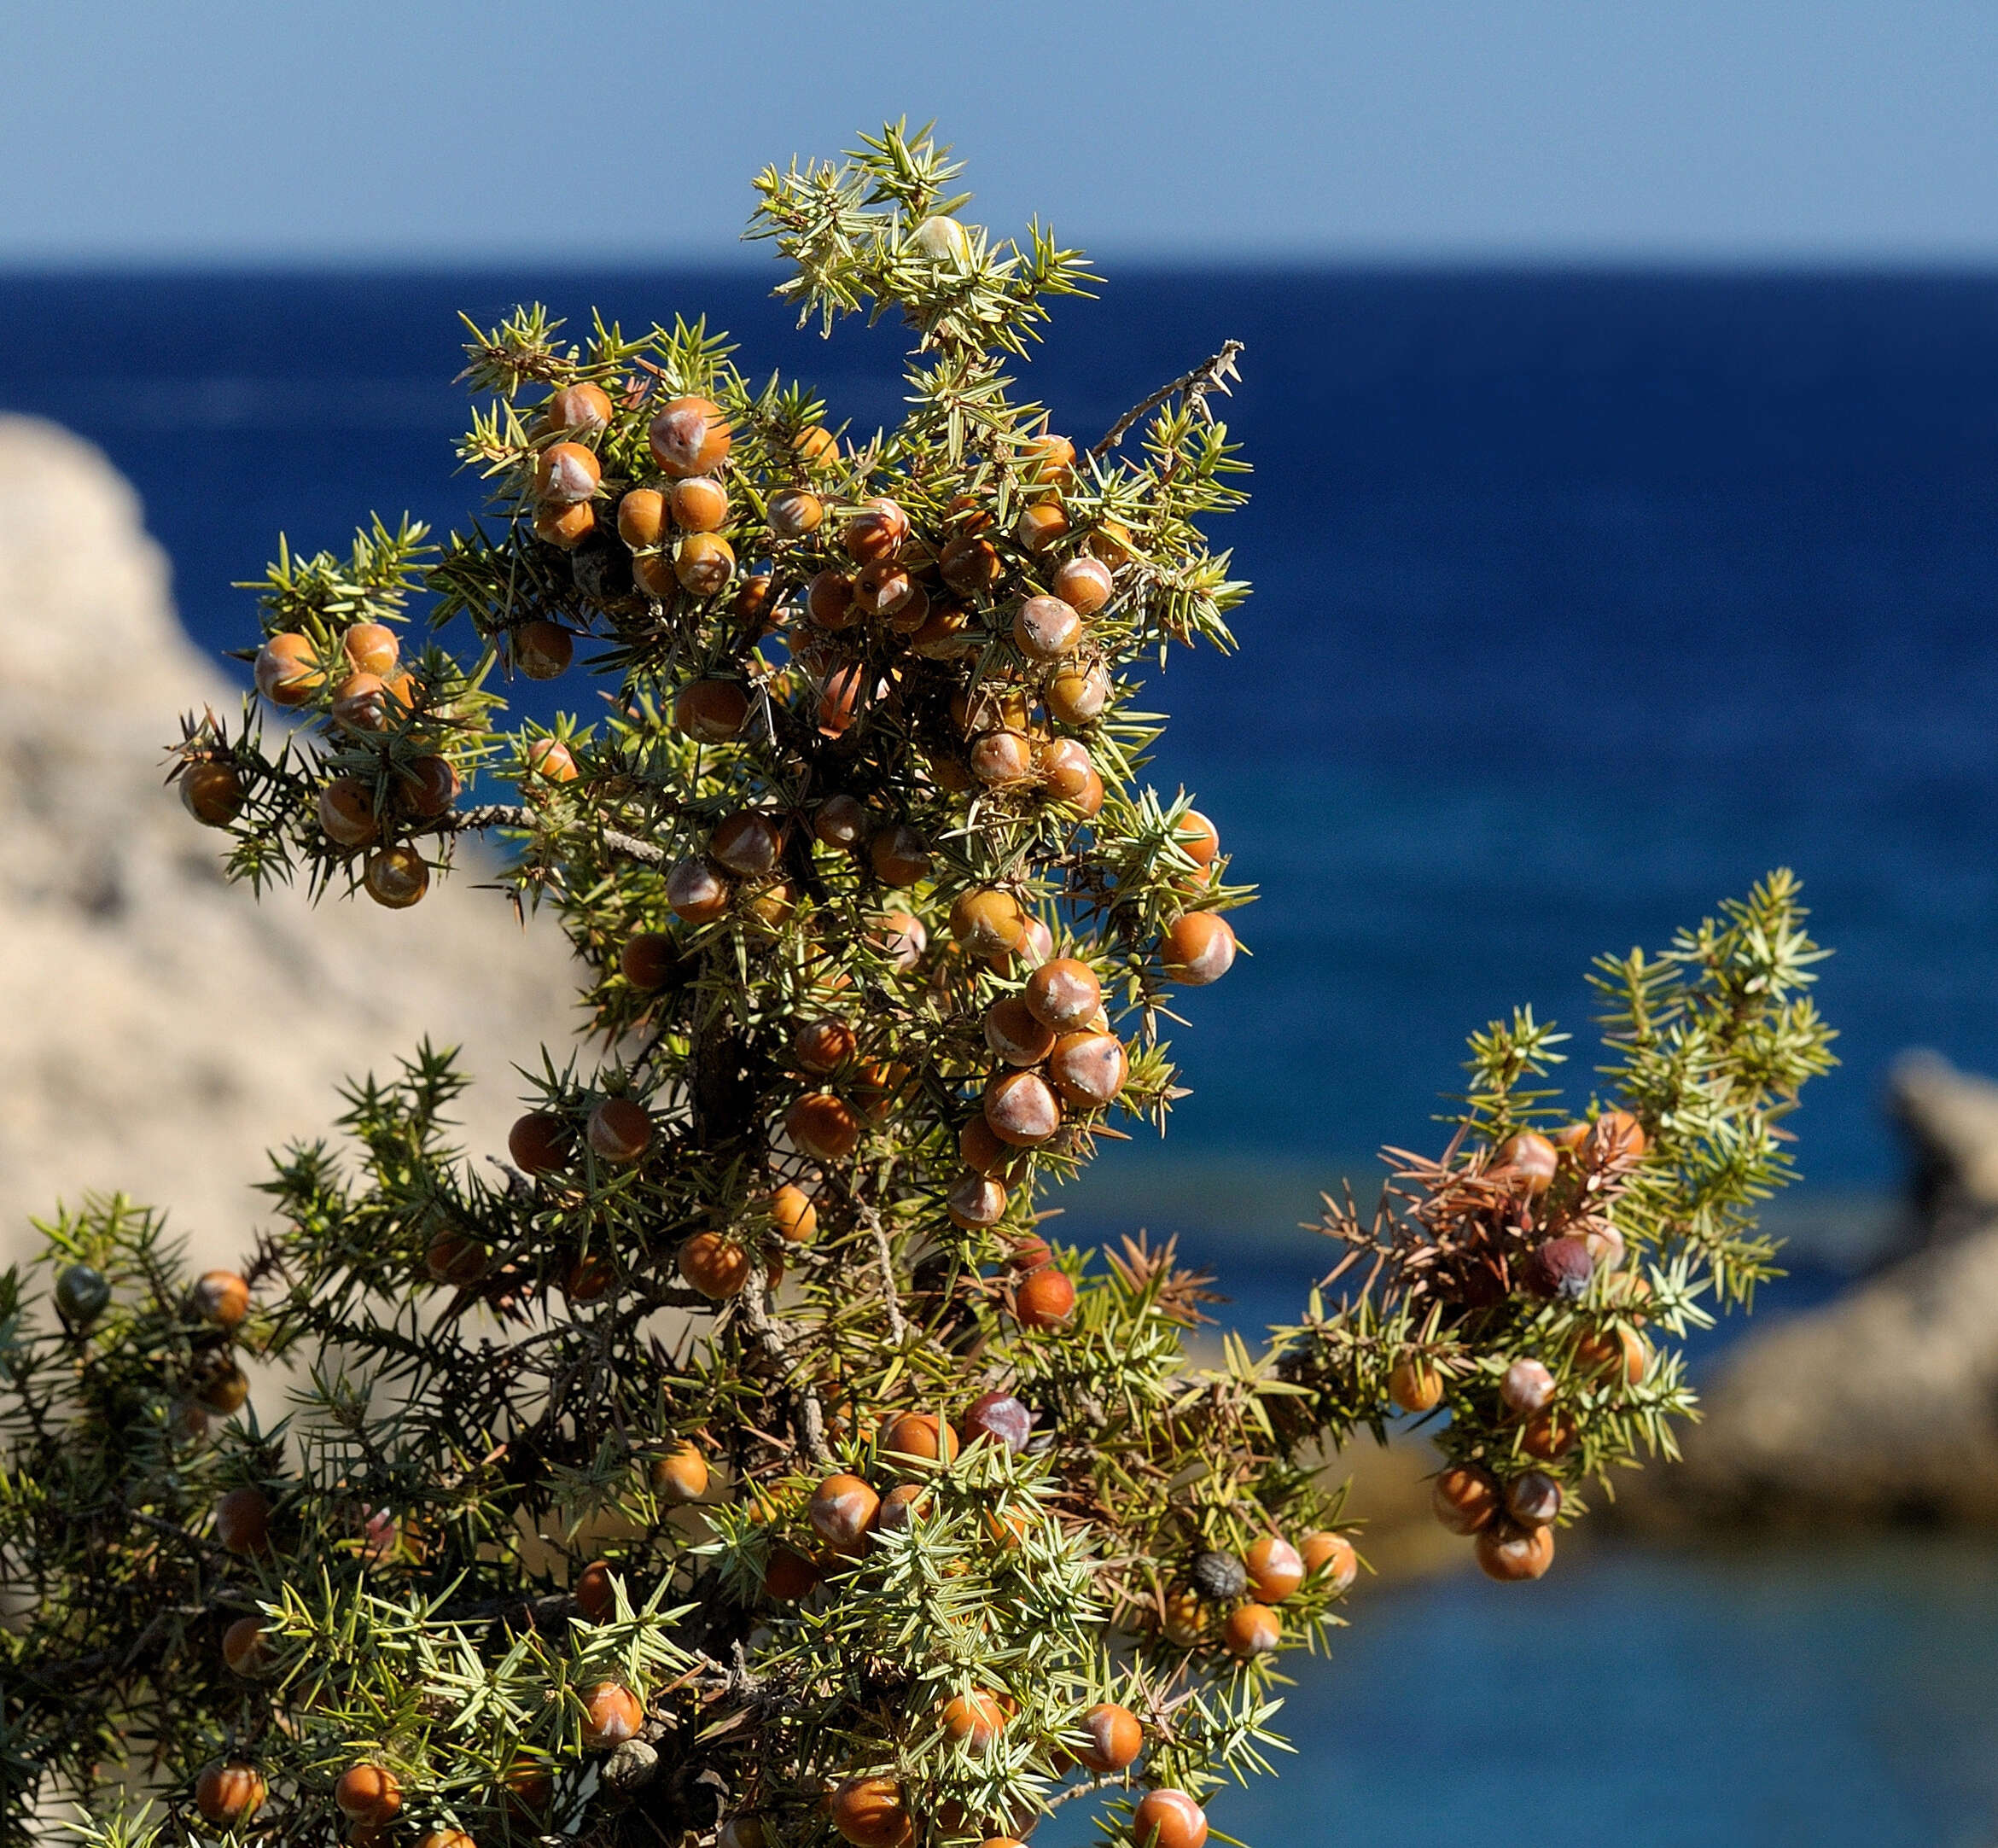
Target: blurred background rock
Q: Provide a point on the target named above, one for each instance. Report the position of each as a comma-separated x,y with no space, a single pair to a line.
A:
162,1029
1880,1408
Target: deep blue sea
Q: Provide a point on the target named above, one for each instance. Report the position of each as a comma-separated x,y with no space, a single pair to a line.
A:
1582,600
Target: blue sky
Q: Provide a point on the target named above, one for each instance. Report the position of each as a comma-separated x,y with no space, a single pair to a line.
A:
438,130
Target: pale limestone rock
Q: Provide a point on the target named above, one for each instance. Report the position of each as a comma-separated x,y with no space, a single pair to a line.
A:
163,1028
1949,1120
1883,1405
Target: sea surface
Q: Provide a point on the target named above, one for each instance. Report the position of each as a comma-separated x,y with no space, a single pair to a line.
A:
1582,600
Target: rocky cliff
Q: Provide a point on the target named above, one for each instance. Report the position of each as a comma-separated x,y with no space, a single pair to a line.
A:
1883,1405
162,1027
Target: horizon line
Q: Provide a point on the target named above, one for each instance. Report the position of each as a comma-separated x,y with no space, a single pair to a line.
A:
727,261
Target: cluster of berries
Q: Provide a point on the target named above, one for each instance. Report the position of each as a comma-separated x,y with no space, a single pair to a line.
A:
1503,1253
211,1381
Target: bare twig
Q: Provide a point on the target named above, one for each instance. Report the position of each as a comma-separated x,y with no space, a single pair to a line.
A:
477,820
514,815
518,1186
872,1220
1211,375
774,1339
633,849
193,1542
811,1420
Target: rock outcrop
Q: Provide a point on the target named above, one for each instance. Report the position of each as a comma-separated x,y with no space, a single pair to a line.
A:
162,1027
1883,1405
